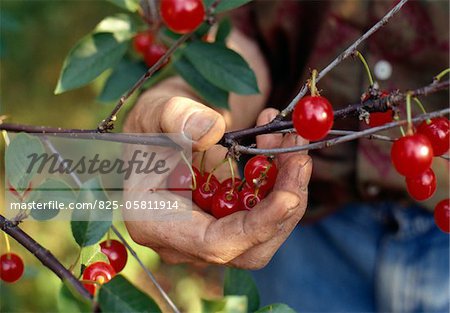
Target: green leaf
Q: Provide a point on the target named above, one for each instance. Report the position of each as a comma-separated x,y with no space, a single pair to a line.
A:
123,77
204,88
120,25
223,30
17,160
276,308
130,5
228,304
240,282
92,254
226,5
69,301
51,190
96,53
119,295
90,225
222,67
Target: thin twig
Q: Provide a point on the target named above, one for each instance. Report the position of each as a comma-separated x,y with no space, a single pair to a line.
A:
146,270
43,255
349,51
332,142
107,123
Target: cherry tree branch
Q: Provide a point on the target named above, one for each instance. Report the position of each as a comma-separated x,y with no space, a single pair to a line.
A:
374,105
108,122
344,55
43,255
335,141
92,134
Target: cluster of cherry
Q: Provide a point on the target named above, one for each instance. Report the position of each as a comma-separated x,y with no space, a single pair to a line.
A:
412,156
180,16
95,274
233,194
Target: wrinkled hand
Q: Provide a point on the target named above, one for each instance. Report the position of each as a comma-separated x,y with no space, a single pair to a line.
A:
246,239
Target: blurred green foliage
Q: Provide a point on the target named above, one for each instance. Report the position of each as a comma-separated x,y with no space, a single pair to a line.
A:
35,37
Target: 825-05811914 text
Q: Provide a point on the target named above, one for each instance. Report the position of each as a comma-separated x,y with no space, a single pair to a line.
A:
97,204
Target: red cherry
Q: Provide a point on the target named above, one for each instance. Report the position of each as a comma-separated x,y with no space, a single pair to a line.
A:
116,253
228,183
260,171
11,267
225,202
203,195
248,198
442,215
438,133
313,117
423,186
153,53
99,272
142,41
182,16
380,118
412,155
180,179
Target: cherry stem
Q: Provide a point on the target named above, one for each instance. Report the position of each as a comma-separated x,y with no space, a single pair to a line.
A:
409,129
108,238
422,108
189,165
214,169
230,162
7,244
76,261
5,137
202,163
366,66
312,86
441,74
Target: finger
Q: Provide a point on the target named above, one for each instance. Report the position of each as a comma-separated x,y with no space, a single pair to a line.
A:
271,140
290,140
260,255
268,218
180,115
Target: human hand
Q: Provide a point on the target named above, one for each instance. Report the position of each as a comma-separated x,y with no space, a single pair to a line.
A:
245,239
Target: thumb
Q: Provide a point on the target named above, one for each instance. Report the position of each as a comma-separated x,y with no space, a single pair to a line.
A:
179,115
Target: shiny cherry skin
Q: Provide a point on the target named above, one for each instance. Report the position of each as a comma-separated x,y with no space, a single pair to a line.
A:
99,272
205,192
225,202
442,215
438,133
380,118
142,41
11,267
412,155
260,171
153,53
182,16
423,186
248,198
116,252
313,117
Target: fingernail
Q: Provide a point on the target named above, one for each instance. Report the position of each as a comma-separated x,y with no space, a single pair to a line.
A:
199,124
